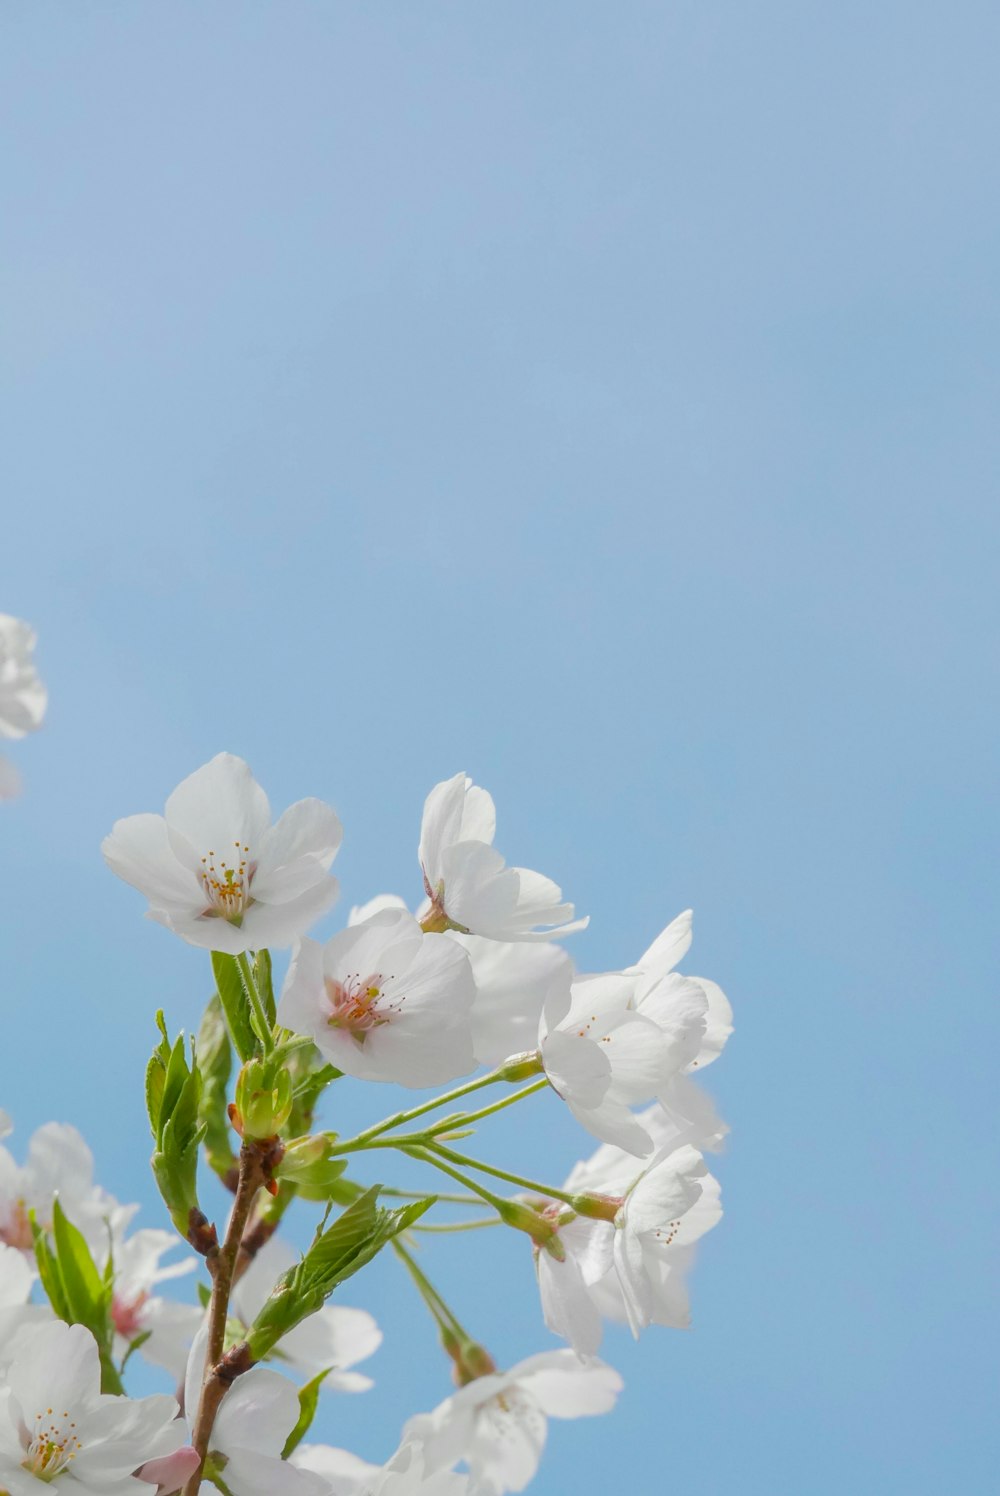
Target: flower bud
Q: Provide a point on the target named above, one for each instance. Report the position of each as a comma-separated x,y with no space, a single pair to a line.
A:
307,1163
263,1100
598,1207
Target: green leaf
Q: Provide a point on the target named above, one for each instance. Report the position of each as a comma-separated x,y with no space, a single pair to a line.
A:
48,1271
87,1295
234,1004
335,1254
215,1062
265,985
308,1402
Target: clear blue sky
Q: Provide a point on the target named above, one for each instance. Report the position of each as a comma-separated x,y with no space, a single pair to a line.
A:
601,399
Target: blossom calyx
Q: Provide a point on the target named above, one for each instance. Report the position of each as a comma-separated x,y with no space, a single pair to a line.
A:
307,1162
522,1066
263,1100
598,1207
523,1218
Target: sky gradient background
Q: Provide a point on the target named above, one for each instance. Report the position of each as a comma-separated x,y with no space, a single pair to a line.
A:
603,400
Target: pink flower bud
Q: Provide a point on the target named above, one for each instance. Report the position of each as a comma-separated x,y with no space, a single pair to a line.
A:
170,1473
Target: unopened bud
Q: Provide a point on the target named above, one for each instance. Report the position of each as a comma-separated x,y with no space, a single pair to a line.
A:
522,1066
598,1207
263,1100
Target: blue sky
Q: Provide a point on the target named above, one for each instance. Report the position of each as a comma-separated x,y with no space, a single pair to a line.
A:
600,399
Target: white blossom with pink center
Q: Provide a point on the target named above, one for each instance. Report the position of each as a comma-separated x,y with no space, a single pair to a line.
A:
215,869
384,1001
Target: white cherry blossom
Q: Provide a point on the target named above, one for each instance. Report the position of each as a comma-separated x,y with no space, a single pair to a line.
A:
23,698
497,1424
692,1011
470,886
18,1316
384,1001
336,1336
404,1475
600,1055
58,1163
512,980
215,869
59,1430
169,1327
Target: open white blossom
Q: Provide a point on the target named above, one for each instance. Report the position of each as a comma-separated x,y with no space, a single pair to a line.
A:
470,886
512,981
215,869
404,1475
693,1012
333,1339
58,1429
497,1424
601,1056
384,1001
58,1163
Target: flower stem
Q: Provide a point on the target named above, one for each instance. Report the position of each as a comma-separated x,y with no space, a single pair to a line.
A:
438,1195
463,1119
446,1318
222,1265
261,1025
399,1119
478,1225
426,1156
518,1179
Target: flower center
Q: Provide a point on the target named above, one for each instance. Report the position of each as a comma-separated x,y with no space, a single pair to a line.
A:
126,1314
16,1229
53,1445
358,1004
226,881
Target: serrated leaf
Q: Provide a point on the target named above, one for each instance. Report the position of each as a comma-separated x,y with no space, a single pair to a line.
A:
265,984
308,1403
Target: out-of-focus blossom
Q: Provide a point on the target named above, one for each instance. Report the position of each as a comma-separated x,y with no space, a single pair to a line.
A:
58,1163
404,1475
17,1315
467,881
23,698
216,870
497,1424
674,1002
168,1327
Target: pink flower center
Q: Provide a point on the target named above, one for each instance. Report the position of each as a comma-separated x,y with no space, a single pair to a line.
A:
126,1315
358,1004
16,1229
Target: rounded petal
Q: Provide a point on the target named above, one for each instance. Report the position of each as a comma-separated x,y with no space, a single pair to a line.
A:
219,804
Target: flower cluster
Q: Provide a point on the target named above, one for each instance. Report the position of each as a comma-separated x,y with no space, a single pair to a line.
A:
468,990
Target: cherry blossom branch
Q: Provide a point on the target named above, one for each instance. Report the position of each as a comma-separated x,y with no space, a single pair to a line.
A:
459,1225
221,1371
463,1119
399,1119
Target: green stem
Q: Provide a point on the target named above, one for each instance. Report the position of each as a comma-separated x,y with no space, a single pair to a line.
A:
427,1157
460,1225
438,1195
463,1119
261,1026
446,1317
399,1118
518,1179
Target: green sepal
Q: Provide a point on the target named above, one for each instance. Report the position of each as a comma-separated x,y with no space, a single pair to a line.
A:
308,1403
229,985
335,1254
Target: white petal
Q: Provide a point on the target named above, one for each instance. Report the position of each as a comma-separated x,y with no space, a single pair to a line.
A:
219,804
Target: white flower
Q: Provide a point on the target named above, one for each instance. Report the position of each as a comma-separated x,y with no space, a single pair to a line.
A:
384,1001
251,1427
512,980
23,698
497,1424
59,1163
404,1475
217,872
600,1055
135,1310
693,1012
336,1336
58,1429
469,885
565,1287
17,1316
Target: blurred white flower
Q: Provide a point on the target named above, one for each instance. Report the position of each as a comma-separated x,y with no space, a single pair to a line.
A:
469,884
169,1327
692,1012
215,869
23,698
404,1475
497,1424
58,1163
